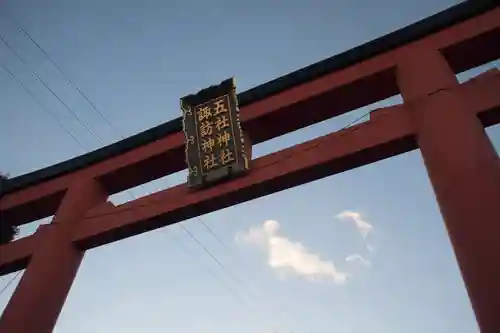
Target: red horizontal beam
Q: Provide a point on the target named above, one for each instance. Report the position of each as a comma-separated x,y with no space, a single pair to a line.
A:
382,137
482,95
366,142
389,132
16,255
465,45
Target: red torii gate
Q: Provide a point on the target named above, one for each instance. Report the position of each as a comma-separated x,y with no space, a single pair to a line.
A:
443,118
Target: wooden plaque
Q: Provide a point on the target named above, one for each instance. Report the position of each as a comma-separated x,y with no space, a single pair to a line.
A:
214,142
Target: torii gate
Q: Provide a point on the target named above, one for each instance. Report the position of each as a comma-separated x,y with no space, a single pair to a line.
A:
441,117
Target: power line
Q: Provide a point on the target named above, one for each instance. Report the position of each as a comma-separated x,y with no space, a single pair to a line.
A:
233,292
8,283
54,94
232,276
214,258
27,34
158,200
280,309
219,240
41,105
205,249
49,89
211,272
87,127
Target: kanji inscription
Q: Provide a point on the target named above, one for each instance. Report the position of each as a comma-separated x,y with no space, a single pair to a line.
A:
213,137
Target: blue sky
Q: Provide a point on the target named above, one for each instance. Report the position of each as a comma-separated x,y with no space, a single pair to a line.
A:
135,62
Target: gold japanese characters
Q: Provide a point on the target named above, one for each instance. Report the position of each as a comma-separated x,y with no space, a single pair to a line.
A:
213,137
215,133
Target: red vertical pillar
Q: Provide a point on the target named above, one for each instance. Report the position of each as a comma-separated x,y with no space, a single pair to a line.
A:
462,165
38,299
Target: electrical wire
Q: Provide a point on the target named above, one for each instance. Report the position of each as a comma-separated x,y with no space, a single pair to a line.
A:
158,200
66,77
26,33
42,106
280,309
226,247
230,273
244,302
210,271
75,115
205,249
10,281
34,73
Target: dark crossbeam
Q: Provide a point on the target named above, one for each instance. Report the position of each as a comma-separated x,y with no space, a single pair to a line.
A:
416,31
388,132
342,84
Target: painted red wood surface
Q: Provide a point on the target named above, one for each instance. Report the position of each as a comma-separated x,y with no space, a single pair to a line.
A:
465,46
444,119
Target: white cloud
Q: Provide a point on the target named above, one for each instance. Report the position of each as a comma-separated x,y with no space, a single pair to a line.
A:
371,248
363,227
359,259
286,255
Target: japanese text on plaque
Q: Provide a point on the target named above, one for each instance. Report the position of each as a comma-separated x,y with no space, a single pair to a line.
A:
215,134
